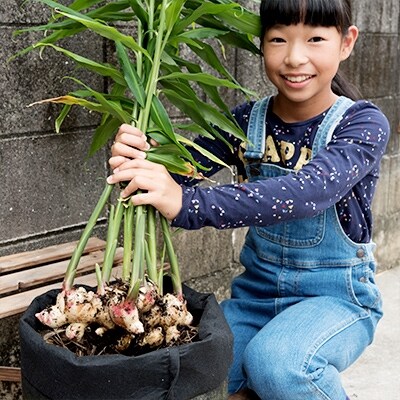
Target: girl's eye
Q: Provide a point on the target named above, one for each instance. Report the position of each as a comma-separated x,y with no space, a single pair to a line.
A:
277,40
316,39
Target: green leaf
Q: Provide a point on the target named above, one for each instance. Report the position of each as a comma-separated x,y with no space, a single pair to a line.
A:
203,33
160,117
113,107
108,12
210,91
205,8
242,20
140,12
207,79
233,16
174,163
71,100
194,128
190,107
202,113
175,41
61,117
173,12
108,125
79,5
54,37
101,29
240,41
203,151
109,32
131,75
207,54
221,120
186,102
104,133
156,134
101,69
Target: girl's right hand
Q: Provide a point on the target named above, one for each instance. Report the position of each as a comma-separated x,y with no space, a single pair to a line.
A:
130,143
128,164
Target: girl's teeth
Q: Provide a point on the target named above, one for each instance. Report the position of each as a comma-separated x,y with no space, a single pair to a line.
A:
297,79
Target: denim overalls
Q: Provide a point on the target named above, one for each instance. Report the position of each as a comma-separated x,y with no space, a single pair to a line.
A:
307,305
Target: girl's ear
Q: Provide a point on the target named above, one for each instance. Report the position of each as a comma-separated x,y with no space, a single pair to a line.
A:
348,42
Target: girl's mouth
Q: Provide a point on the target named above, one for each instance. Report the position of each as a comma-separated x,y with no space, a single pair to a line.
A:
298,78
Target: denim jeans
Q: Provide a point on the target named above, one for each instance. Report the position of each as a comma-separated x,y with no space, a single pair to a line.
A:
296,329
307,305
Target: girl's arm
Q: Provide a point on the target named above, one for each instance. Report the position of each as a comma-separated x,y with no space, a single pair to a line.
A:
158,187
346,169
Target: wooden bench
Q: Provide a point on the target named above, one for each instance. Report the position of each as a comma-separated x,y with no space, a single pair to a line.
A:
26,275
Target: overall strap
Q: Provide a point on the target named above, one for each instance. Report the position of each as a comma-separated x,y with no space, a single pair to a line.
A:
256,130
330,122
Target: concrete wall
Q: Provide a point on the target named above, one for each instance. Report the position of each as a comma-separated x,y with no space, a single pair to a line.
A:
47,192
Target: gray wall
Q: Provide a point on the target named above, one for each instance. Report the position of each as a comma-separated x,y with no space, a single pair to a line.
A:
48,192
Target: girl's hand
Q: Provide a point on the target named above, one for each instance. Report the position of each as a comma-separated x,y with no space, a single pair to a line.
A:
130,143
159,188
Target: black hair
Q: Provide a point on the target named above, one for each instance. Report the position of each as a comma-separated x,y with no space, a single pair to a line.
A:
325,13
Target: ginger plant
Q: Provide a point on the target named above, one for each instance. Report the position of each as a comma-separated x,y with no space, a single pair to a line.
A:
150,66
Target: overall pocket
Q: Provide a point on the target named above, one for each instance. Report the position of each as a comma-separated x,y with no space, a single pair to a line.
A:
306,232
363,289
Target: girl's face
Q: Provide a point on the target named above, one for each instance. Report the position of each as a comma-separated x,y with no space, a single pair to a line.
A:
301,61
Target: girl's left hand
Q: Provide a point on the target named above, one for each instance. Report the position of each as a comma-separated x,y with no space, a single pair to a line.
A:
159,188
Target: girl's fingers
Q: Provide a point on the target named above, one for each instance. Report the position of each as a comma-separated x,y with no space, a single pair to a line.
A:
131,130
159,188
167,200
121,149
134,169
117,161
140,142
141,163
132,187
132,136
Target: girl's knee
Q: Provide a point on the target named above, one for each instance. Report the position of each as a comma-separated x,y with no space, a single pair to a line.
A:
270,368
276,369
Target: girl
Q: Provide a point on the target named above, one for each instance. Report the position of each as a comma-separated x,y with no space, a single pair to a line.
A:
306,306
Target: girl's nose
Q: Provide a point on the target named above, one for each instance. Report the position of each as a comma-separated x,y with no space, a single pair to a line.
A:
296,55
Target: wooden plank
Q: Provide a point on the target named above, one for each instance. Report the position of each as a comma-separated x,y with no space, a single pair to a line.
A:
22,280
26,259
19,302
10,374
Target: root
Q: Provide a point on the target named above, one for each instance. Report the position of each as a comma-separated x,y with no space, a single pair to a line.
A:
106,322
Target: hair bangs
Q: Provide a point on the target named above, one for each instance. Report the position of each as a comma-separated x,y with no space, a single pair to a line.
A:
310,12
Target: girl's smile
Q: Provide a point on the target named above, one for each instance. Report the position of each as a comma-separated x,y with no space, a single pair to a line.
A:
297,81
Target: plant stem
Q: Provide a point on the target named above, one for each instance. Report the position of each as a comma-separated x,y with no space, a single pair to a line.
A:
142,216
152,244
76,256
129,214
138,251
175,273
155,70
100,286
114,226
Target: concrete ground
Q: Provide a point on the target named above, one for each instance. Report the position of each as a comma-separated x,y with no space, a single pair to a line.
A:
376,374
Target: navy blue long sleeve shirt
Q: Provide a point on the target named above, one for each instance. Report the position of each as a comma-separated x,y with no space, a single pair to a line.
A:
344,173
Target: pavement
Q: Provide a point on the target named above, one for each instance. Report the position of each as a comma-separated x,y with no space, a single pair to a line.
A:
376,374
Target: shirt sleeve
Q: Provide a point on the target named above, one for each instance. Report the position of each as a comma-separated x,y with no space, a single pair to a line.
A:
351,158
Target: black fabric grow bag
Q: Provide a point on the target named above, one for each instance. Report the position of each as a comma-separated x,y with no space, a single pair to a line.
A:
174,373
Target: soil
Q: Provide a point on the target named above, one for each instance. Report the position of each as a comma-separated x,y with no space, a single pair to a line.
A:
113,341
